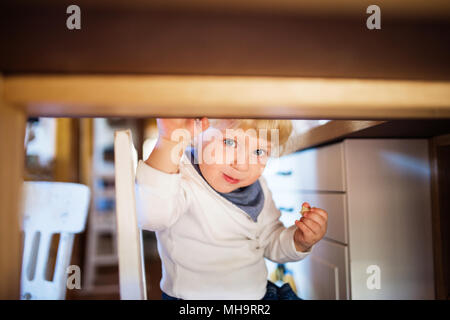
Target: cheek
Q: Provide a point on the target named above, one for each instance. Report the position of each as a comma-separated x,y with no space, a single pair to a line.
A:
259,168
211,172
256,171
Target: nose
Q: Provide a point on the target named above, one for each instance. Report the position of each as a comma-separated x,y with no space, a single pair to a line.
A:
240,162
241,167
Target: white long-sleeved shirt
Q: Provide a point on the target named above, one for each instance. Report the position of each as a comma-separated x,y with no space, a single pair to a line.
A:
209,247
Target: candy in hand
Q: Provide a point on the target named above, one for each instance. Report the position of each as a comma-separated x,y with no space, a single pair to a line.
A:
304,209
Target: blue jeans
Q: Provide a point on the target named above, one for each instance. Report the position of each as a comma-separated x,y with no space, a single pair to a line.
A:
273,292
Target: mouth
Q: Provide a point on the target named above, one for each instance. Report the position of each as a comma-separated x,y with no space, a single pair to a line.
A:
230,179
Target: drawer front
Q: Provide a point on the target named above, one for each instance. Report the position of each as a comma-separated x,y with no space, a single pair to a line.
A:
279,173
289,203
319,169
323,275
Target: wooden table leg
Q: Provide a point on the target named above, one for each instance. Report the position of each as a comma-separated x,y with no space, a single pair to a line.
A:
12,131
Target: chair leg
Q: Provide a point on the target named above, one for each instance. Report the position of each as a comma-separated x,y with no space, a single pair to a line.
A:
63,261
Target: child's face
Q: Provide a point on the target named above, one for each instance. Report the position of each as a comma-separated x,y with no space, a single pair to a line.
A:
232,159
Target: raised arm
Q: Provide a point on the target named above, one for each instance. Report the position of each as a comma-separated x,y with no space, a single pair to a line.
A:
174,136
161,191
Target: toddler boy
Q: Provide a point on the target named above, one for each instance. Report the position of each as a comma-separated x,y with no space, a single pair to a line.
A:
202,192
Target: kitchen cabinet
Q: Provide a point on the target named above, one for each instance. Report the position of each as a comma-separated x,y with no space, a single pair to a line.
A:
377,194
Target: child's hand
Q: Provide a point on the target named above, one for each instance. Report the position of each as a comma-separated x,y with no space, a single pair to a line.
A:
310,228
166,126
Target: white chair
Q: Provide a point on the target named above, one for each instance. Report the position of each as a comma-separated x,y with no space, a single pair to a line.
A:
129,236
50,208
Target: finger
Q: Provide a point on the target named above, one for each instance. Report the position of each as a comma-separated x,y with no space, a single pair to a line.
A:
197,125
201,124
205,123
322,212
315,227
307,232
305,208
306,204
313,215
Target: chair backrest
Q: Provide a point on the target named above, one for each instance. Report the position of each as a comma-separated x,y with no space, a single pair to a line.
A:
129,236
49,209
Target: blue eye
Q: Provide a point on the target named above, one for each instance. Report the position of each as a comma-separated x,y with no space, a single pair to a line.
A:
259,152
229,142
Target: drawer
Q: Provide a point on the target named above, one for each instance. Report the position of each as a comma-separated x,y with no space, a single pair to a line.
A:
319,169
289,203
279,172
323,275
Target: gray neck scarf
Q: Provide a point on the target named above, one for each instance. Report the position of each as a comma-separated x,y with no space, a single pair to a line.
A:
250,199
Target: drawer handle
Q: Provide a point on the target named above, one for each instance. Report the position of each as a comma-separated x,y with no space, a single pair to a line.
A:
286,209
284,173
